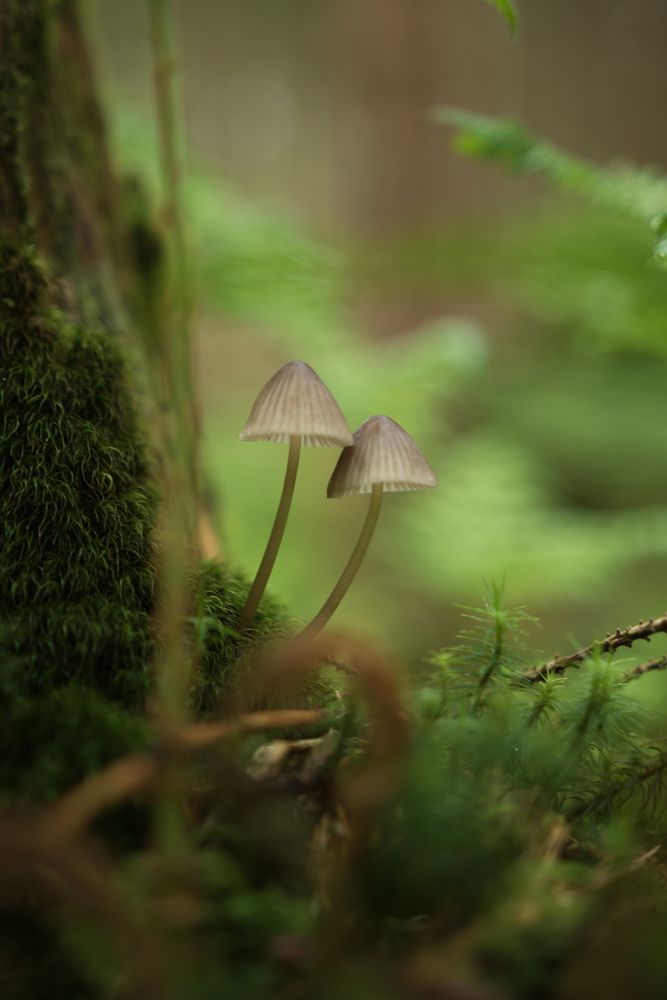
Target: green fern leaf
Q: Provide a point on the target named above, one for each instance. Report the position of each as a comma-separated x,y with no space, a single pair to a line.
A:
508,11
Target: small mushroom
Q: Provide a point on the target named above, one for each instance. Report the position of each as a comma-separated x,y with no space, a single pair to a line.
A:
296,408
383,459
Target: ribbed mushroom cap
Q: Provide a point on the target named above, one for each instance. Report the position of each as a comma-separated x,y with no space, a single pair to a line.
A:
382,453
295,401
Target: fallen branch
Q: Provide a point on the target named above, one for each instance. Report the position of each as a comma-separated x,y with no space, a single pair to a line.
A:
616,640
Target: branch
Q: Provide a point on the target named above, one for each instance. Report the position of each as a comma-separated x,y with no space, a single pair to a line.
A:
613,641
645,668
611,794
135,773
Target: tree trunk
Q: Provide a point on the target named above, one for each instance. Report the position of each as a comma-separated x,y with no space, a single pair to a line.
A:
81,280
76,504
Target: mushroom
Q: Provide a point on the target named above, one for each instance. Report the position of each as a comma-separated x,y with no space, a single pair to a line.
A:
383,459
294,407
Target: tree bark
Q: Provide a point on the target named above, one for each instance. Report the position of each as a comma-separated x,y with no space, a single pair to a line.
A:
77,505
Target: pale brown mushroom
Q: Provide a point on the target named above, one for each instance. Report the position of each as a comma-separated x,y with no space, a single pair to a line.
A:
294,407
382,459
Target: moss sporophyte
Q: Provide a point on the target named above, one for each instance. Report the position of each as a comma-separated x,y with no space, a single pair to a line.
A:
294,407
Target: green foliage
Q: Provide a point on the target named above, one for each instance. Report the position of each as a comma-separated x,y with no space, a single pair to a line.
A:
77,512
488,860
525,478
508,11
493,848
639,193
48,744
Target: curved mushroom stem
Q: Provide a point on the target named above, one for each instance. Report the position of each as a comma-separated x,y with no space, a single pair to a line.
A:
349,573
275,538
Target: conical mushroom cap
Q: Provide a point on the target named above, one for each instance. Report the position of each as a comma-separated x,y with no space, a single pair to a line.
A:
295,401
382,453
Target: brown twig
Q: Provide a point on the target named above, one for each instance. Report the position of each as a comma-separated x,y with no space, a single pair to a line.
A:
645,668
135,773
620,638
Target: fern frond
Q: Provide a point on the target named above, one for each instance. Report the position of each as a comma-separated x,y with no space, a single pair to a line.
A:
640,193
508,11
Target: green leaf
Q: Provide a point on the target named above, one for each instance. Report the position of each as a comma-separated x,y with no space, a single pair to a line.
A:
638,192
508,11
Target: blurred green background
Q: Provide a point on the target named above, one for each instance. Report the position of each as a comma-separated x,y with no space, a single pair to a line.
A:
516,329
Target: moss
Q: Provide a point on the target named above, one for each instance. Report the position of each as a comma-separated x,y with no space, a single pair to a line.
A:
221,594
225,678
14,22
23,285
50,743
77,510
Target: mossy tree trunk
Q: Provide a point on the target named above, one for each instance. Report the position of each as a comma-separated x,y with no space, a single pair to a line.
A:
77,506
82,279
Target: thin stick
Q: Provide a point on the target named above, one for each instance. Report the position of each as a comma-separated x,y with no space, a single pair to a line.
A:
134,773
645,668
178,549
275,538
179,444
350,571
622,637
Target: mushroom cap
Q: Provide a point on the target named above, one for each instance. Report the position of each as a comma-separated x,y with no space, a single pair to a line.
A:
382,453
295,401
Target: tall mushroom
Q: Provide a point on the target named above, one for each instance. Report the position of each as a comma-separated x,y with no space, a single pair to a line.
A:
296,408
382,459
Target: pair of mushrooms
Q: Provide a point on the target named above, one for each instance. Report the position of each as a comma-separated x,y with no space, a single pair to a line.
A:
296,408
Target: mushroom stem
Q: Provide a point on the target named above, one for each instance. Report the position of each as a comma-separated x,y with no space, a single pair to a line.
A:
350,571
256,592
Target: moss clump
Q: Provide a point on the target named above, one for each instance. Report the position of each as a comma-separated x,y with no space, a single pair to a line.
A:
221,594
225,679
77,511
49,744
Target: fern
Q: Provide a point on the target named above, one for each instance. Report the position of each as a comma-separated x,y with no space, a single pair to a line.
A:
508,11
640,193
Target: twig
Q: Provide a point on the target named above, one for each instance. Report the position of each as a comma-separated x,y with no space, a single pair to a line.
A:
613,641
178,529
645,668
180,500
135,773
612,793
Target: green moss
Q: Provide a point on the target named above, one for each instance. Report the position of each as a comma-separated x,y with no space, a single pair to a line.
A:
221,594
77,509
23,285
49,744
14,23
226,678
